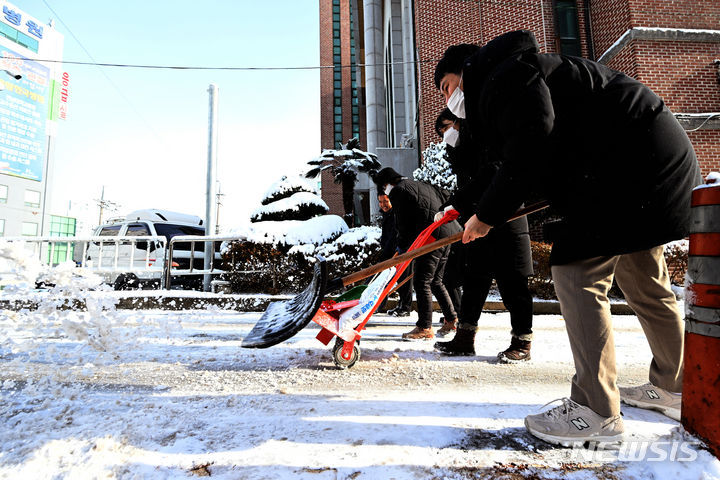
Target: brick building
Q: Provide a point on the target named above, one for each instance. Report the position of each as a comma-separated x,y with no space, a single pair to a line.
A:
673,47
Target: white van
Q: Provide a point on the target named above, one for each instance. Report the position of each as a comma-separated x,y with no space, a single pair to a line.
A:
138,262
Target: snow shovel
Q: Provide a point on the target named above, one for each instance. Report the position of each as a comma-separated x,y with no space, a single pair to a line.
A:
284,319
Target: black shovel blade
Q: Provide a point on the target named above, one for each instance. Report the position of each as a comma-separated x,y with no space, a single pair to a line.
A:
285,318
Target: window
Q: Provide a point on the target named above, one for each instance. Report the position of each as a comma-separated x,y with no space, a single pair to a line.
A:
338,110
336,50
3,193
337,76
337,84
32,198
2,227
110,231
29,229
137,230
568,31
62,226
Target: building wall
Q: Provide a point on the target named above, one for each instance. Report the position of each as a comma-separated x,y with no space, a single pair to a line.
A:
441,23
16,213
681,71
331,192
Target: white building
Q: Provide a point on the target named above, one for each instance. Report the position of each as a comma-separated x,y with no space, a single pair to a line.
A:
29,109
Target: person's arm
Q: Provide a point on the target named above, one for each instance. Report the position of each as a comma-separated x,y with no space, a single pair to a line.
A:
524,125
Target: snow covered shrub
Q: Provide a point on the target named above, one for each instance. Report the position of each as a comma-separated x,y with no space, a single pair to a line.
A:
265,268
299,206
435,168
275,268
286,187
289,199
352,251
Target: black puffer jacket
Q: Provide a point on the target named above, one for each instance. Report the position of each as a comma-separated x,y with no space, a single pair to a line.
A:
507,246
601,146
388,237
415,205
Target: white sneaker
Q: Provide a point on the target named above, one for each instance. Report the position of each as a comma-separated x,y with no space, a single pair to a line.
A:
653,398
571,423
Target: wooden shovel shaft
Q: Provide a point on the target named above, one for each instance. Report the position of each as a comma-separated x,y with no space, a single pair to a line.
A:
397,260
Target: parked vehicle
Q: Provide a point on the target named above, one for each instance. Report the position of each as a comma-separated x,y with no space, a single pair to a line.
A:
136,259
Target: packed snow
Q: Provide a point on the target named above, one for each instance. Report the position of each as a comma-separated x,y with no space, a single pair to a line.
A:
108,393
286,186
314,231
292,203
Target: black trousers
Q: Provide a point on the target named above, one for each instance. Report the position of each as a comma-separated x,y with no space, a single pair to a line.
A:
453,277
428,281
513,287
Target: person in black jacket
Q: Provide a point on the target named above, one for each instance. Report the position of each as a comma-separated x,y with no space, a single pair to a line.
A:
415,204
504,254
619,169
388,248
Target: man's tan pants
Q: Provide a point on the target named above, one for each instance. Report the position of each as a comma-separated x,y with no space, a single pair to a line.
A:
582,289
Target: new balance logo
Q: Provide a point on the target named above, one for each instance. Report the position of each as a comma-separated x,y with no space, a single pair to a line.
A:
580,423
652,394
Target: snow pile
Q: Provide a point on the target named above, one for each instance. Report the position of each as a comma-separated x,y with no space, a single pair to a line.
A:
355,245
297,202
69,309
286,187
314,231
435,169
711,180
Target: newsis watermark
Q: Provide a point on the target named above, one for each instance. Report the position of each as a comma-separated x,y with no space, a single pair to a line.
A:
636,451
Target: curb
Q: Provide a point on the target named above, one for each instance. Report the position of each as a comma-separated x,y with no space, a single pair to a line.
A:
248,303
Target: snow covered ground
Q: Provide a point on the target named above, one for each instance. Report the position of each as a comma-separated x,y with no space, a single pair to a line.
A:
151,394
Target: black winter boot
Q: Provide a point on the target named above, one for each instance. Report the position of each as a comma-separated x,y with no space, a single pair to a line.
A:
463,343
518,351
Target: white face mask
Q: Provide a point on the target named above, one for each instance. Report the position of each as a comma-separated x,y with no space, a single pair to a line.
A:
388,187
451,137
456,102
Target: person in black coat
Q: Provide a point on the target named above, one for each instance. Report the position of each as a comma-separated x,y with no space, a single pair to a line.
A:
388,249
415,205
619,169
504,254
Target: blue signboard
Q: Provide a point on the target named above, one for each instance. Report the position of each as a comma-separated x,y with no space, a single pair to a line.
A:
23,113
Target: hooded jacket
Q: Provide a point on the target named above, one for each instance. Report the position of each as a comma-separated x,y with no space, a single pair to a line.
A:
601,146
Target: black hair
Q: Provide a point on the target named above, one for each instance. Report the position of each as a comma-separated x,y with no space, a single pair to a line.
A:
387,175
452,60
446,114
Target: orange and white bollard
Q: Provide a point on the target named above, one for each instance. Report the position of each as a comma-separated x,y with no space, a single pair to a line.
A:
701,377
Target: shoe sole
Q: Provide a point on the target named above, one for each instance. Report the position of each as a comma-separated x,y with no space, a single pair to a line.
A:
669,412
454,354
418,339
443,335
573,441
502,359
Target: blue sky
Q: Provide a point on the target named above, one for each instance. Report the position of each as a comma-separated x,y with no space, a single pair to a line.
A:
143,133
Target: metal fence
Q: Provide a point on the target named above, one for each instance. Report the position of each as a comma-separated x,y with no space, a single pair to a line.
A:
147,257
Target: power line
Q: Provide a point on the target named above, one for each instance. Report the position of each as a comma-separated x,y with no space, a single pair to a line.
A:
190,67
94,62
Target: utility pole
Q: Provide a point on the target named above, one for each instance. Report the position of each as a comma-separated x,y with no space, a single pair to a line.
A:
105,204
210,222
218,204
